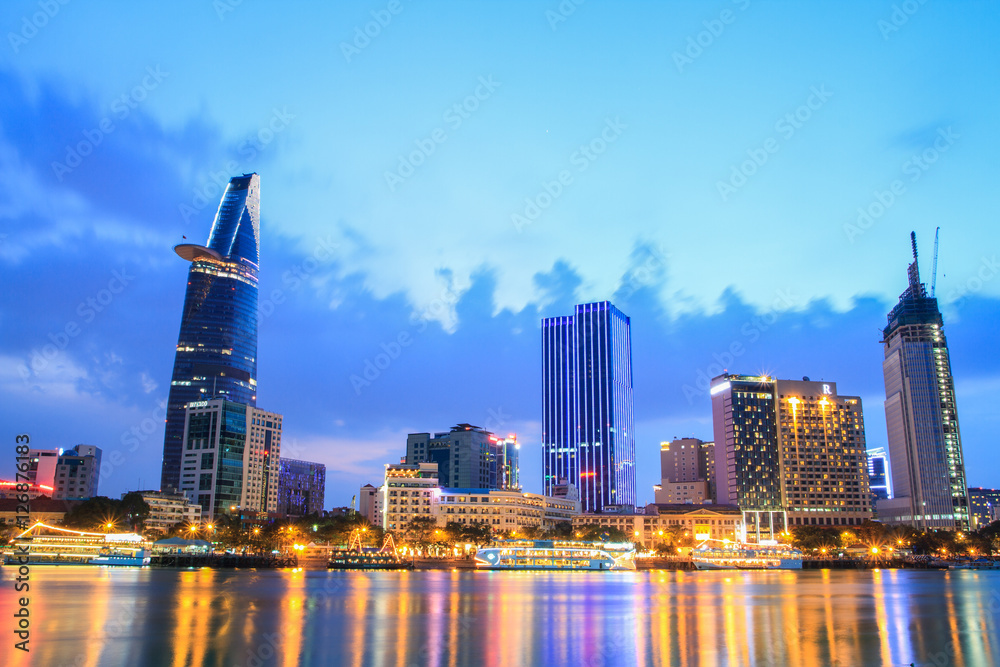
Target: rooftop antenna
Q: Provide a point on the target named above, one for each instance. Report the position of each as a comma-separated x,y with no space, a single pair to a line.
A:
937,233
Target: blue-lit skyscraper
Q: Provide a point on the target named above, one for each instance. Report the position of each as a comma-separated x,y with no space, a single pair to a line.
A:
217,346
587,437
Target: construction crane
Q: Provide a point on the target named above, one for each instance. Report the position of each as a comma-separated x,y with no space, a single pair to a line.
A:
937,233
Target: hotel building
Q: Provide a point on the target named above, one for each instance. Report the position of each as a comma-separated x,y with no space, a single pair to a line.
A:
230,458
794,451
587,437
824,460
748,457
406,493
925,446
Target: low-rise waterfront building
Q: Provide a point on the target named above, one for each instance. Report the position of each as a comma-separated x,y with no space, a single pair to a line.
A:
654,522
502,510
168,509
45,510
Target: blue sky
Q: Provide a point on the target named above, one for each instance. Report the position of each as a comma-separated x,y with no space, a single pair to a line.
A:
724,172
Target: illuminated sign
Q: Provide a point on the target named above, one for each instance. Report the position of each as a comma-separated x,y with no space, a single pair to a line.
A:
719,388
826,389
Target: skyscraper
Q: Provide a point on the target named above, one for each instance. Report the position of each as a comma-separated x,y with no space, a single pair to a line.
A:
747,455
217,345
587,437
925,447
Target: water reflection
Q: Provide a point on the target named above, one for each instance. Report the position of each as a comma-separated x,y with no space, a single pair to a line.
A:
93,616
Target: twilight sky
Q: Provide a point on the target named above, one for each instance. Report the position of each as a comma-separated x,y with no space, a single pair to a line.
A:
733,175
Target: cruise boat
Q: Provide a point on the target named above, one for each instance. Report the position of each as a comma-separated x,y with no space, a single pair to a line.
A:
358,557
553,555
50,545
736,556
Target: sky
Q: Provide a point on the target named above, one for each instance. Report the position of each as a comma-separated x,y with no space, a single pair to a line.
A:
438,177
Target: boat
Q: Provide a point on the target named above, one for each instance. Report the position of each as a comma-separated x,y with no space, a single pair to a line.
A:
738,556
42,544
556,555
358,557
978,564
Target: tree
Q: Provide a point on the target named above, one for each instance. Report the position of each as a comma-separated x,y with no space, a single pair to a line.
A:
135,510
97,513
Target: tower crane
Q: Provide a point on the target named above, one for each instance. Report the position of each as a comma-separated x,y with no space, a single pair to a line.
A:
937,233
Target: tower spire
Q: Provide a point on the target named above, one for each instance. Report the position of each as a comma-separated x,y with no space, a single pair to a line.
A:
913,272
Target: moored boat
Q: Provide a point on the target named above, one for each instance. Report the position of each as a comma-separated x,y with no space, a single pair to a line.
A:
736,556
42,544
555,555
357,557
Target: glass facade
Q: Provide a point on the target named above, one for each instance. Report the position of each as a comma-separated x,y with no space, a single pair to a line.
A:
217,346
230,454
301,487
468,457
587,437
747,450
925,446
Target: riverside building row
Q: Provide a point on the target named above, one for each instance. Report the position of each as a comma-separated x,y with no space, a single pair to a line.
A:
412,491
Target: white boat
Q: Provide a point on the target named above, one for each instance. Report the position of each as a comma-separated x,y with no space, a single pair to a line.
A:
737,556
555,555
51,545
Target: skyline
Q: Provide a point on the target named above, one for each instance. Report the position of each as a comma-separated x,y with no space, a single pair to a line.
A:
434,272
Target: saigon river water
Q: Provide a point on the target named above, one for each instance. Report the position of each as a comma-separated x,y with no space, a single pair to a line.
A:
88,616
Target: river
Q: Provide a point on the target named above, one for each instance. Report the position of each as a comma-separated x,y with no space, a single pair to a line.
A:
88,616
